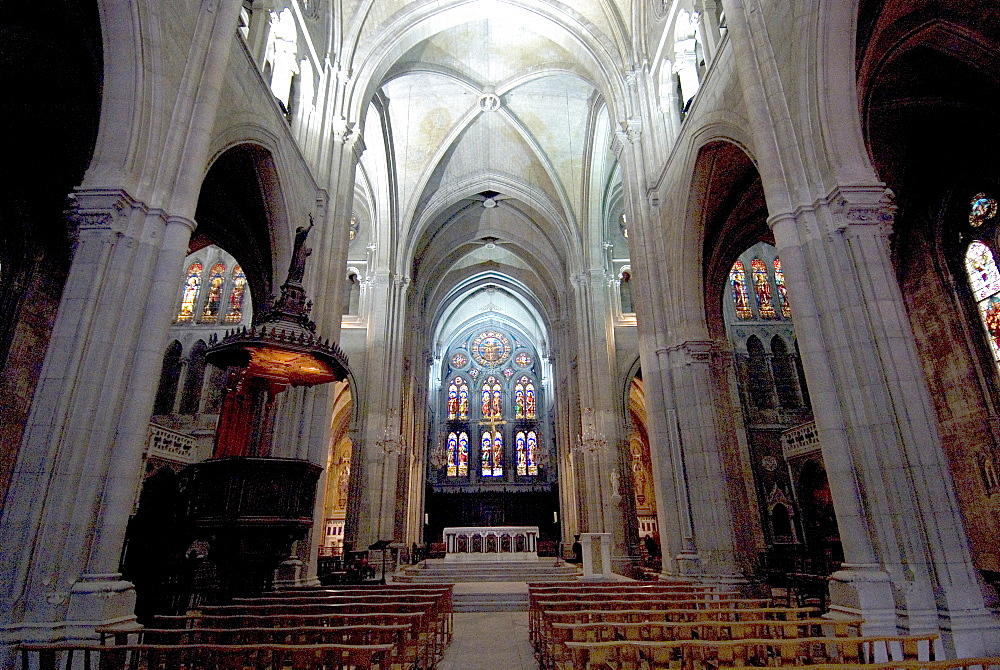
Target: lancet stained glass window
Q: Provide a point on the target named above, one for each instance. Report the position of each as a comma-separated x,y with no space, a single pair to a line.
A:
779,281
452,401
532,453
452,451
458,454
492,398
527,452
737,278
234,312
762,287
984,278
192,286
458,399
521,447
463,398
491,453
524,399
529,399
463,454
210,313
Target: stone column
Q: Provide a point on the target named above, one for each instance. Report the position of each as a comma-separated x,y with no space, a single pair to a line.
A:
708,457
382,394
907,558
601,464
71,493
73,486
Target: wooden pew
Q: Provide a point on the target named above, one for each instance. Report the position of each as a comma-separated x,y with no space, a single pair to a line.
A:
422,639
714,654
536,623
205,656
553,648
549,617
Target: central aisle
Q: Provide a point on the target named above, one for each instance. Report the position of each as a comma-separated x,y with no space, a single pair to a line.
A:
489,641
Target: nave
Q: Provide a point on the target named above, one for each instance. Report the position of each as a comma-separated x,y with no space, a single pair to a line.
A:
287,284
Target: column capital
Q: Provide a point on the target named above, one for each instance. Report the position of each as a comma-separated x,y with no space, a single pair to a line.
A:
99,208
847,206
692,352
864,206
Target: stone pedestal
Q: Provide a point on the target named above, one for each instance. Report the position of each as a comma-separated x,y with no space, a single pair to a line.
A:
597,557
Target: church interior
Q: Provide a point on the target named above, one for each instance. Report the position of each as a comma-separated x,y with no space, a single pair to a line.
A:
287,282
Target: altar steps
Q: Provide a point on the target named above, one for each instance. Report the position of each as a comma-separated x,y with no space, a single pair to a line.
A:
506,601
437,571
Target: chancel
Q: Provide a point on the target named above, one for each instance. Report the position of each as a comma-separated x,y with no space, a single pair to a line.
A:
700,292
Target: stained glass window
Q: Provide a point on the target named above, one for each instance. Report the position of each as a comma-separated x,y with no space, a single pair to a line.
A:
452,450
492,399
982,270
532,453
458,454
458,399
737,277
486,454
192,285
497,454
985,281
527,453
519,399
491,349
463,398
491,454
459,360
210,313
523,360
234,313
529,399
980,209
521,447
452,401
762,288
463,454
779,281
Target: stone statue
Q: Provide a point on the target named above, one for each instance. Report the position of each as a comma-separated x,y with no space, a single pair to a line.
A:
297,267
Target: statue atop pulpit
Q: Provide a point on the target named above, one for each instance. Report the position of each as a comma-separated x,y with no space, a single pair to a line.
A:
297,266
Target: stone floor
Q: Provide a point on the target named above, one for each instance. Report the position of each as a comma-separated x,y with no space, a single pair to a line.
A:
489,641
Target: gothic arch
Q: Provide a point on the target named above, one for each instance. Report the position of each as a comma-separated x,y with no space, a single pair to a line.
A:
728,214
132,91
241,208
950,67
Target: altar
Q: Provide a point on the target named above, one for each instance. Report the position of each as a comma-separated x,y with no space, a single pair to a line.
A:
491,544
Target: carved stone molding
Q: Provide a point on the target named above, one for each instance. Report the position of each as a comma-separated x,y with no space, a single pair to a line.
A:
99,209
693,352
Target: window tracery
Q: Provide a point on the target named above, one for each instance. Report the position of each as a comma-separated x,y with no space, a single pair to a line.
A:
507,392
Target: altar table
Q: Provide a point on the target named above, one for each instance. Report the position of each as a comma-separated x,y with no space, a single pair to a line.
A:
491,544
